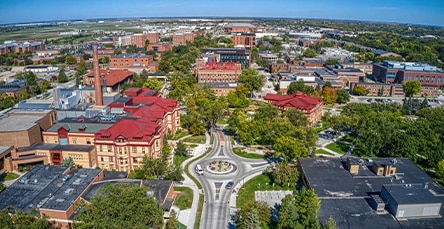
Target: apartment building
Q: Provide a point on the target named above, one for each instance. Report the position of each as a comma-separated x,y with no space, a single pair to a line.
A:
182,38
218,72
246,40
125,61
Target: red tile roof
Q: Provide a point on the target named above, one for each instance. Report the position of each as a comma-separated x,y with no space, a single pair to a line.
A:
130,129
298,100
112,77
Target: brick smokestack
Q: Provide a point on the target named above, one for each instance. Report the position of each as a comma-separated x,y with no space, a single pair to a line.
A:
97,87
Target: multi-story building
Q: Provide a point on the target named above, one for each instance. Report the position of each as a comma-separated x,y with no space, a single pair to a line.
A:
182,38
125,61
238,55
246,40
218,72
393,89
240,28
160,47
222,88
398,72
112,80
311,106
21,46
140,40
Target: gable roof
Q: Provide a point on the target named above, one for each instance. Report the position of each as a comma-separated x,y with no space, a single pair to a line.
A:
298,100
112,77
130,129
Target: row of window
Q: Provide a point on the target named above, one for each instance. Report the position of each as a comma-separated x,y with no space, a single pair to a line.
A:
121,160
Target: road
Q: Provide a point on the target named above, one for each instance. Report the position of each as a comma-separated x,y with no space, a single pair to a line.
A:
217,211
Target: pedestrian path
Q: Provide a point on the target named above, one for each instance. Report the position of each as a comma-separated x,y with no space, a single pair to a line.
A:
188,216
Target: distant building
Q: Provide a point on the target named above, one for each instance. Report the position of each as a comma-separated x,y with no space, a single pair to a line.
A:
182,38
222,88
160,47
310,106
383,53
240,28
238,55
393,89
125,61
21,46
246,40
271,58
139,40
218,72
13,88
398,72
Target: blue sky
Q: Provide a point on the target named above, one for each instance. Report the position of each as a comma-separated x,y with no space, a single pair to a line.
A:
426,12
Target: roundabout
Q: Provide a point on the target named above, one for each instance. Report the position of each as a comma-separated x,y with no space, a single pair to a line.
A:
221,167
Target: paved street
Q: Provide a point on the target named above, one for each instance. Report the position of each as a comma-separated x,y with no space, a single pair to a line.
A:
219,205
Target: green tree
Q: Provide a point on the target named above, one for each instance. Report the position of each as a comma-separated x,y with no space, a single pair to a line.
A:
253,215
329,95
284,175
181,149
296,117
70,59
117,52
343,96
300,210
331,224
62,78
251,79
68,162
80,71
12,218
331,62
153,83
287,211
172,222
299,86
360,90
290,147
120,205
310,53
412,87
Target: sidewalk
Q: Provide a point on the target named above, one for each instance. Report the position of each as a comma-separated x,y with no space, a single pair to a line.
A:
188,216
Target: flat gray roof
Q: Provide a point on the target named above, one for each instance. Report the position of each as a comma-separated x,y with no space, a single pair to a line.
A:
73,127
21,119
410,193
41,145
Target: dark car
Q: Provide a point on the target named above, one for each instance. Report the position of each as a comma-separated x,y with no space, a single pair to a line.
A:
229,185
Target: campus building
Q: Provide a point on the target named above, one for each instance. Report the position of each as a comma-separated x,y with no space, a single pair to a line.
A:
373,192
310,106
246,40
240,28
125,61
21,46
56,191
139,40
238,55
218,72
160,47
110,79
398,72
182,38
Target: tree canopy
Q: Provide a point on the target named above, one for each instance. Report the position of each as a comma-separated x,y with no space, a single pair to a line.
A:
300,210
251,79
120,205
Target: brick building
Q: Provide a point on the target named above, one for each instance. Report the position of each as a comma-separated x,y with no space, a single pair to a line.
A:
222,88
21,47
112,80
182,38
246,40
126,61
218,72
393,89
240,28
160,47
311,106
140,40
398,72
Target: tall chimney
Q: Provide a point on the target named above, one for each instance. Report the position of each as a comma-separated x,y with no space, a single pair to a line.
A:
97,87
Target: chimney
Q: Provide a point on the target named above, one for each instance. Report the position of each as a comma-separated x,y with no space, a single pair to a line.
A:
97,87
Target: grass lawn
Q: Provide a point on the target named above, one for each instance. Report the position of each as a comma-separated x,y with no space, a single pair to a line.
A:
195,139
258,183
8,176
179,134
337,147
239,152
199,211
321,151
178,160
185,199
348,138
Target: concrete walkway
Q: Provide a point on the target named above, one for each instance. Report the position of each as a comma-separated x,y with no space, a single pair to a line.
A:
188,216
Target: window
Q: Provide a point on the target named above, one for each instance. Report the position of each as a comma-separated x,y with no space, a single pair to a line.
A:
88,141
143,149
47,139
109,148
74,141
134,149
111,159
135,160
101,158
100,148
